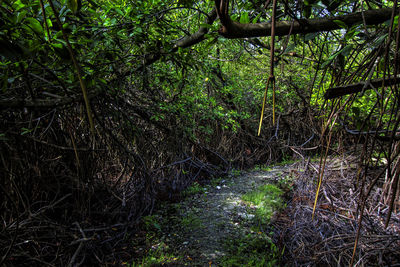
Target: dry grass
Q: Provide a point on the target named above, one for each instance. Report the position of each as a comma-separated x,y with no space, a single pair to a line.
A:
329,238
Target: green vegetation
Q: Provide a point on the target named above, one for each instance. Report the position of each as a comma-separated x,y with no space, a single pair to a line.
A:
262,168
152,222
194,189
286,183
286,161
256,248
155,248
216,181
108,107
156,257
190,222
235,172
251,250
266,199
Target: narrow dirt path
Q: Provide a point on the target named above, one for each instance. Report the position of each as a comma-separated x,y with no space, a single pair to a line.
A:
198,230
223,214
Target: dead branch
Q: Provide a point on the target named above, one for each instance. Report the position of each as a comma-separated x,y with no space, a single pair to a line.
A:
359,87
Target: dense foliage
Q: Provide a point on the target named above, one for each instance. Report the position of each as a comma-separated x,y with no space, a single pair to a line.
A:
109,106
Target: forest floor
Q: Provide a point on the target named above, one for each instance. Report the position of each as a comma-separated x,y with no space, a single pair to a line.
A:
263,217
224,223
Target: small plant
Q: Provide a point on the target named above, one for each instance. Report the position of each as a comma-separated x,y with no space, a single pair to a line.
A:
264,168
191,221
194,189
151,222
215,181
266,199
236,172
156,257
286,161
255,249
286,184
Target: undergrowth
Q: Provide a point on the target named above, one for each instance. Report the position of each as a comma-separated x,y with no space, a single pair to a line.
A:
255,249
266,199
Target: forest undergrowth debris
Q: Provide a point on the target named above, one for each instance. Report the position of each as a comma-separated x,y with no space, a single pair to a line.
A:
329,238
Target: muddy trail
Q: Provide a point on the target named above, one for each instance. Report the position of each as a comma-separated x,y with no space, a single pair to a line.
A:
224,223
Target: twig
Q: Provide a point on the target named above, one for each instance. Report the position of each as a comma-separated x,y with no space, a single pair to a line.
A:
81,242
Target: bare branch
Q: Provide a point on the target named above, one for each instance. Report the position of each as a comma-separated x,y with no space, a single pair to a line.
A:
359,87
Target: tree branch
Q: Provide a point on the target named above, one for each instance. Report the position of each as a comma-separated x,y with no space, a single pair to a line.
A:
198,36
359,87
185,42
232,29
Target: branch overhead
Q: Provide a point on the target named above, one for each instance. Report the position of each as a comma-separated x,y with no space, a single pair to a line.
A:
359,87
232,29
185,42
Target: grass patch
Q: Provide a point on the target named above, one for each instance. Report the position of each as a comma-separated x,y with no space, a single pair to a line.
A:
154,250
216,181
157,257
266,199
152,223
235,172
251,250
153,247
194,189
191,222
286,162
264,168
257,248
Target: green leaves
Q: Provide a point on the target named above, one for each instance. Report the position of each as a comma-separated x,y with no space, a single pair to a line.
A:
25,131
20,16
255,20
244,18
205,25
379,41
34,25
74,5
310,36
186,3
351,33
18,5
341,24
344,52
